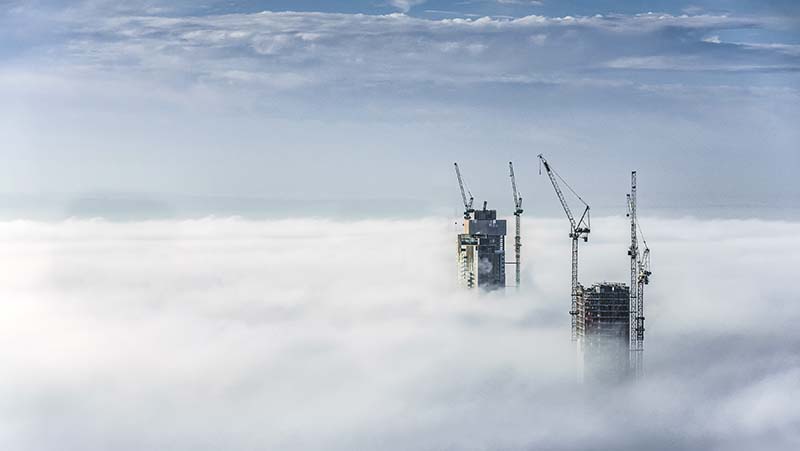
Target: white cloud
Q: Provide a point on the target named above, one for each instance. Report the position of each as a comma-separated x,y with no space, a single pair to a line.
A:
318,334
693,9
405,5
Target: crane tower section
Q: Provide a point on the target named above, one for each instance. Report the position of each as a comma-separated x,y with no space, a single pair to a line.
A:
578,229
640,276
517,215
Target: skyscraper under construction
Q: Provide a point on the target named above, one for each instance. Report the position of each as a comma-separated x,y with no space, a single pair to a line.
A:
602,326
482,251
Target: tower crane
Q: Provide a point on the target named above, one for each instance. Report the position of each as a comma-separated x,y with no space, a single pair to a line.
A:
468,210
517,214
578,229
640,276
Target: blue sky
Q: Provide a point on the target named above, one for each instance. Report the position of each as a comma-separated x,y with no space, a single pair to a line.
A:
373,100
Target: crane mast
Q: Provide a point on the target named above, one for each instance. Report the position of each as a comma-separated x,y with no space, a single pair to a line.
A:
633,253
640,276
578,229
467,203
517,215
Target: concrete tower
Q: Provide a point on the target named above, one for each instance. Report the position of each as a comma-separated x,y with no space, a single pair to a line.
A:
482,251
603,331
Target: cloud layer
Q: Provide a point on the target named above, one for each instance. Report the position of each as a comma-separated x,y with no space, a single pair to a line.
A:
156,100
316,334
286,50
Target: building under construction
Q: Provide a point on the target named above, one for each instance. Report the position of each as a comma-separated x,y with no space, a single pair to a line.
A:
603,328
607,319
482,251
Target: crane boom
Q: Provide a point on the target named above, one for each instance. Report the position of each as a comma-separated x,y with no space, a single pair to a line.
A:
560,194
578,229
517,197
517,215
467,203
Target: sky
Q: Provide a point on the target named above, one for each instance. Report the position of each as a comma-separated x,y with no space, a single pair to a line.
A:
295,334
231,224
176,109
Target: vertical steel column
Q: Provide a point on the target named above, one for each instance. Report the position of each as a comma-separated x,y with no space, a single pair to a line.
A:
573,312
517,247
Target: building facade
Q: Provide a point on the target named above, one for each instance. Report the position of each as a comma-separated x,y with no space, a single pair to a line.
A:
603,331
481,252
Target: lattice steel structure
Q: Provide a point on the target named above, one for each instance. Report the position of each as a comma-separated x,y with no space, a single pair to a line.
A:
578,229
517,215
640,276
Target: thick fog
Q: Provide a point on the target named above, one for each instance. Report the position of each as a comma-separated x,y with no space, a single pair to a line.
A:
232,334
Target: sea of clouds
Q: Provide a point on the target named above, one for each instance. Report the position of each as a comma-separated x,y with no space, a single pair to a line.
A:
312,334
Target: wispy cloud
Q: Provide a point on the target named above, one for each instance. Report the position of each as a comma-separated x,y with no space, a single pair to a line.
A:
520,2
333,48
693,63
406,5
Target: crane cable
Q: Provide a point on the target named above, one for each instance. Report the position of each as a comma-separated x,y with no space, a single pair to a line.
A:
569,187
641,234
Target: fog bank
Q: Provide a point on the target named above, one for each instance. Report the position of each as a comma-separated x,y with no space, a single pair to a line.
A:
224,333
